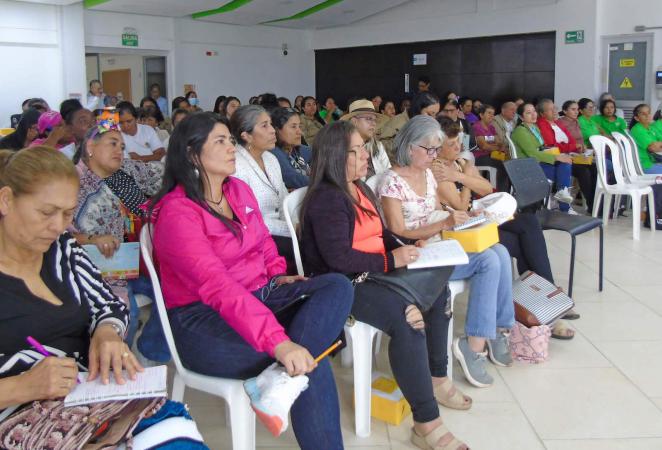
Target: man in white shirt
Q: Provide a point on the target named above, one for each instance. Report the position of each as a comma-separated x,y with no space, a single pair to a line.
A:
141,141
364,117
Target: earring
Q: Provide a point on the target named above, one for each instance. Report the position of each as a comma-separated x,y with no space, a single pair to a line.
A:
196,172
89,154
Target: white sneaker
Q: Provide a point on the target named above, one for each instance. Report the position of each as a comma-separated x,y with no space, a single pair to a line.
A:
572,212
272,394
564,196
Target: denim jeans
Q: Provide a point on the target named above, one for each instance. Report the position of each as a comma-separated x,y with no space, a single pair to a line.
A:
151,343
415,355
490,292
208,345
655,169
561,174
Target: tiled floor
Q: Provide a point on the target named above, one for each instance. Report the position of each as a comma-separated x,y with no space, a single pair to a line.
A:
600,391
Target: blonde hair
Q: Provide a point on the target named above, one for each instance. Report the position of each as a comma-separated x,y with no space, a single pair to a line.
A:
26,170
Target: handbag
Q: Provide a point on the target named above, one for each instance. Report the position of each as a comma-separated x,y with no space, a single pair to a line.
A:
530,344
537,301
49,425
420,287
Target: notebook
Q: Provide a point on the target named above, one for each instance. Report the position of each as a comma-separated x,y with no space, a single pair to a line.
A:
150,383
439,254
473,221
124,265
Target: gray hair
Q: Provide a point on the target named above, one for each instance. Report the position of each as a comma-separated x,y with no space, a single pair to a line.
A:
417,130
540,106
245,119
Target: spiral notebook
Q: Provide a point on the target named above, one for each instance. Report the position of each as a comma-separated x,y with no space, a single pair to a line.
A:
150,383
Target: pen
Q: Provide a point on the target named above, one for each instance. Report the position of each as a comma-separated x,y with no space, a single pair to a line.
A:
328,350
41,349
398,240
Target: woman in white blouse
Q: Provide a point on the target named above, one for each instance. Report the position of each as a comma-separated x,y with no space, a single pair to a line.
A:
251,127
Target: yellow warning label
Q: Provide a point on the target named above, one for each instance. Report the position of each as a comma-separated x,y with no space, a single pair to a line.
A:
626,84
627,62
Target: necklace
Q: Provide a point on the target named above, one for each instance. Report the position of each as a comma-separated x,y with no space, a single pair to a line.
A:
218,203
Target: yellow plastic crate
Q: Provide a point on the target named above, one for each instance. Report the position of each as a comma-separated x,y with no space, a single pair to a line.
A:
476,239
582,159
387,402
553,151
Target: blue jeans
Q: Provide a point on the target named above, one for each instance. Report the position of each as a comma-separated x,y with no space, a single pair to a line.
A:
561,174
208,345
655,169
490,292
151,343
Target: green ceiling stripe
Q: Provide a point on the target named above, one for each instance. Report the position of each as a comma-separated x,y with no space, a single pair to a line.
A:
230,6
92,3
307,12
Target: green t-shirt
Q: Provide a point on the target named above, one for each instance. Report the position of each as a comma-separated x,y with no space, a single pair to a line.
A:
644,137
608,127
657,126
588,128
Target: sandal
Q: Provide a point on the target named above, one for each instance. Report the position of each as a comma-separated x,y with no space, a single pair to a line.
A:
449,396
562,331
438,439
571,315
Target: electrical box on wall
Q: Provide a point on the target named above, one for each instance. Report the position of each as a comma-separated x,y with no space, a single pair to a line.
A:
658,82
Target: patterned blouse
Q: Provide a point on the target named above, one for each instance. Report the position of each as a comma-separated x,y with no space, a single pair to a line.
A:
417,211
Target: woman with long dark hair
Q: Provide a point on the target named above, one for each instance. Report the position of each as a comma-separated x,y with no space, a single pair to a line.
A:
223,281
343,231
25,133
294,158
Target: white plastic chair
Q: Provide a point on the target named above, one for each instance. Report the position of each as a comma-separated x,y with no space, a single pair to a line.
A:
511,145
242,417
634,173
622,187
491,174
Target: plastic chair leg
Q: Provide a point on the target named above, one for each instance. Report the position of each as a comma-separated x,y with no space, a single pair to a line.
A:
651,211
606,204
178,387
617,206
636,216
346,356
596,202
362,335
242,420
572,265
601,275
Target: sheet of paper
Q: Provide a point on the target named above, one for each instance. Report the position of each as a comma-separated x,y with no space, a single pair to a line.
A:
150,383
442,253
124,264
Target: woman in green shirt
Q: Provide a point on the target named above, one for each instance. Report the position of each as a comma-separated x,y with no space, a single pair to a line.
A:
607,121
586,124
529,142
647,138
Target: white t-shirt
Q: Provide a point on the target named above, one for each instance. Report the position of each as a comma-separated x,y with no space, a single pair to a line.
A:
144,143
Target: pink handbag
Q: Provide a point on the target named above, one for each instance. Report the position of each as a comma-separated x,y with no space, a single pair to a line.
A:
530,344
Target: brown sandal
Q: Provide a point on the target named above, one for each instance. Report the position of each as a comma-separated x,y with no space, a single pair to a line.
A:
438,439
449,396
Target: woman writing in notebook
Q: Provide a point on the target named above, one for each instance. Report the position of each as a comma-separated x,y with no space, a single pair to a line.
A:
458,181
411,210
342,231
50,290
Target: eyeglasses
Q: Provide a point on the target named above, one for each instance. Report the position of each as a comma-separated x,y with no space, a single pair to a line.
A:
431,151
372,119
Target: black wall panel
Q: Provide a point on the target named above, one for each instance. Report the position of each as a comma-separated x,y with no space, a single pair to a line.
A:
493,69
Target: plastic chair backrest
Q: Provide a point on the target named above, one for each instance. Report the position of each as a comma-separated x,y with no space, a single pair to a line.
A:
292,205
513,149
630,151
528,180
374,181
600,145
627,158
146,249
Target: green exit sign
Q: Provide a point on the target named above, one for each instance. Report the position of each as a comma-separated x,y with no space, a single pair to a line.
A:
574,37
129,40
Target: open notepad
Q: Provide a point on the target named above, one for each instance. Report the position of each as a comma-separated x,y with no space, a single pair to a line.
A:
150,383
442,253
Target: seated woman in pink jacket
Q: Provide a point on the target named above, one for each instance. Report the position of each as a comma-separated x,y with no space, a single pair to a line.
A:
225,285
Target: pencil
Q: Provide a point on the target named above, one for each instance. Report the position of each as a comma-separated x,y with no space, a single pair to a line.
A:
326,352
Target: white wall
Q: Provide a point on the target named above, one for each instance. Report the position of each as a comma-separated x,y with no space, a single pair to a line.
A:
249,61
614,21
41,53
427,20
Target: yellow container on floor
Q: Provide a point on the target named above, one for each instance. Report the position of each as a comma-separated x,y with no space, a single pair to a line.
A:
582,159
498,155
553,151
476,239
387,402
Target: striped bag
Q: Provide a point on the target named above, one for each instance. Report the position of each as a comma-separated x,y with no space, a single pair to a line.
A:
537,301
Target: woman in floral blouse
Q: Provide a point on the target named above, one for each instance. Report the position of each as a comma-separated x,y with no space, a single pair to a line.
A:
112,190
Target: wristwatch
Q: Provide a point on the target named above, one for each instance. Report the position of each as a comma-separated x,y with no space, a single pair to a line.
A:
115,327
